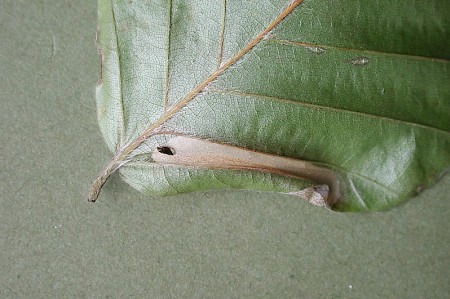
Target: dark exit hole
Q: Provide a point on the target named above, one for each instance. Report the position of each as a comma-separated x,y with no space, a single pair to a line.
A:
166,150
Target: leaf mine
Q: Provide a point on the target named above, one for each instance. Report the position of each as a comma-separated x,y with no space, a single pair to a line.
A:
203,153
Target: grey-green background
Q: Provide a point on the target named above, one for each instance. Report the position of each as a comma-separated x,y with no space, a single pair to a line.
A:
214,244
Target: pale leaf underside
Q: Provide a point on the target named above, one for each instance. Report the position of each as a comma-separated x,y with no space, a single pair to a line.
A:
358,88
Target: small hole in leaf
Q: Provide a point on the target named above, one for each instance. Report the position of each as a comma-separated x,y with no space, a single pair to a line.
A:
166,150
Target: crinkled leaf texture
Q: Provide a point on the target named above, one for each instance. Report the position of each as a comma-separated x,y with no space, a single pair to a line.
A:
360,87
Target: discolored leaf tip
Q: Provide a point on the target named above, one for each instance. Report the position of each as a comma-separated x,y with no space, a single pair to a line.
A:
316,195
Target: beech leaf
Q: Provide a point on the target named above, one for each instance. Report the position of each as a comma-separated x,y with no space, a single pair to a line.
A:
344,103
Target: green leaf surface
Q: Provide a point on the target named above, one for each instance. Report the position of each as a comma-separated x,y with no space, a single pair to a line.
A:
358,88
